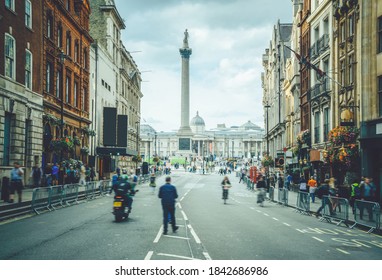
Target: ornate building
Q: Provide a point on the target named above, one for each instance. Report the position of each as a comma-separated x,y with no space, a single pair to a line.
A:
21,103
66,46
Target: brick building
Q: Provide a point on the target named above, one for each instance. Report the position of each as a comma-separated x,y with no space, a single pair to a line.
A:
66,47
21,104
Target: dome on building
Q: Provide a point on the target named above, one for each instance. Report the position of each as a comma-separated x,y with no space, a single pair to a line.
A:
146,129
249,126
197,121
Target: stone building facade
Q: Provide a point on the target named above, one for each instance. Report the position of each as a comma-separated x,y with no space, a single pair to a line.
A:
21,103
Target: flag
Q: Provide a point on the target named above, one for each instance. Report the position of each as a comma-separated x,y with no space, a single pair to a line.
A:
307,63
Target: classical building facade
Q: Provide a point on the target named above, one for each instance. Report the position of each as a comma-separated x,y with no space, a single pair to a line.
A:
66,46
243,141
21,103
274,63
116,82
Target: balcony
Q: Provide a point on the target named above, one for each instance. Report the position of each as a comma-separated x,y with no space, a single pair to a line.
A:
319,89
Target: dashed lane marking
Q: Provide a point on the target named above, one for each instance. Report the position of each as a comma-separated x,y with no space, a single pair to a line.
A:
158,235
176,237
184,216
149,255
265,214
207,256
176,256
252,208
275,219
342,251
197,240
300,230
259,211
318,239
288,225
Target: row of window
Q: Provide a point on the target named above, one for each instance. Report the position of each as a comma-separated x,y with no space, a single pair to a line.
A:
71,88
10,61
10,4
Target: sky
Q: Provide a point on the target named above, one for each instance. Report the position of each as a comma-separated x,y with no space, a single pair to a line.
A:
228,39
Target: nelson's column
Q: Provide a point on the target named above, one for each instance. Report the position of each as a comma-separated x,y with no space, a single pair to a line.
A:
185,132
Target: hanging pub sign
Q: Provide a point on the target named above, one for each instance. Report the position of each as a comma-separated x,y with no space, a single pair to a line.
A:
347,117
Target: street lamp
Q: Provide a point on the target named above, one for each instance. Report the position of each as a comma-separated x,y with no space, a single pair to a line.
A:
137,145
267,106
62,58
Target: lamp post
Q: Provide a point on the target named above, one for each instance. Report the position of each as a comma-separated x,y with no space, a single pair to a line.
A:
203,155
137,146
267,170
62,58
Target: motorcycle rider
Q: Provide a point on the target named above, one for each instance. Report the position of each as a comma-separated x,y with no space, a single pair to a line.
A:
122,186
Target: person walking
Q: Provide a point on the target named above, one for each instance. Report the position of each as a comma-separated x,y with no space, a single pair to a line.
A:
304,190
16,182
152,183
36,176
320,192
55,170
168,194
312,188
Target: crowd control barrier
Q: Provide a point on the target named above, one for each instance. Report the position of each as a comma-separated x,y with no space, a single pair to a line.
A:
303,203
367,213
40,199
70,194
283,197
56,197
335,208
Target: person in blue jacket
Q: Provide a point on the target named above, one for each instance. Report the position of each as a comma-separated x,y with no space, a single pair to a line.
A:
168,194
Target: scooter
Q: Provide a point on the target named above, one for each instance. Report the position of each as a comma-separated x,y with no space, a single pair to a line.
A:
120,205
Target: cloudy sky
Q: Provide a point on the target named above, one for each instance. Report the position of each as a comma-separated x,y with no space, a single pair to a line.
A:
227,37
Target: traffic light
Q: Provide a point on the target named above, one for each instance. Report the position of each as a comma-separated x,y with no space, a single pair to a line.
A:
279,162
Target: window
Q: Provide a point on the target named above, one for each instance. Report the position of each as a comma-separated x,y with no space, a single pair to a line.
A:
379,34
10,56
10,4
350,65
76,53
49,27
75,95
59,36
342,72
49,77
326,123
28,14
28,69
7,138
380,95
85,58
316,127
68,44
351,25
84,106
67,97
58,84
67,5
342,32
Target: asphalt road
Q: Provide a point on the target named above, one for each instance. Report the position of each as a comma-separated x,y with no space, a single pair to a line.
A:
209,229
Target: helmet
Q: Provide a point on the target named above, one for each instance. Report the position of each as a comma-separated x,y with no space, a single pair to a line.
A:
124,171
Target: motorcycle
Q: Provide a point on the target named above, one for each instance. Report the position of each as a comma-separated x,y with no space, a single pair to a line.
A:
121,209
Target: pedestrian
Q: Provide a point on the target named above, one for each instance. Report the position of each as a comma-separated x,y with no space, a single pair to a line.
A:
168,194
280,182
92,174
288,181
261,183
16,182
36,176
48,175
322,191
83,175
368,192
312,188
355,194
54,174
152,183
87,173
303,190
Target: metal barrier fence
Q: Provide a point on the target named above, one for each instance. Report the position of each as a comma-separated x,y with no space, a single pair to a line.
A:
40,199
91,189
369,219
70,194
271,193
104,186
303,203
283,196
335,208
56,197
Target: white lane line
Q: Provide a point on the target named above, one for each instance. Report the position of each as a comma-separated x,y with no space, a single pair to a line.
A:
318,239
252,208
149,255
265,214
159,234
177,237
179,205
342,251
288,225
275,219
184,216
300,230
197,240
259,211
207,256
176,256
185,195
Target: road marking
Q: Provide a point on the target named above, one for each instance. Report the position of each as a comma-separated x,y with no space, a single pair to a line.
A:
318,239
179,206
259,211
159,234
197,240
184,216
252,208
275,219
300,230
177,237
288,225
207,256
342,251
149,255
176,256
265,214
185,195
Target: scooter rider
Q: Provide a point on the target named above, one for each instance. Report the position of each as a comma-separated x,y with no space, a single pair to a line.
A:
122,186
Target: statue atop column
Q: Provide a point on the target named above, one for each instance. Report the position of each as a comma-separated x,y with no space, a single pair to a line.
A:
185,40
